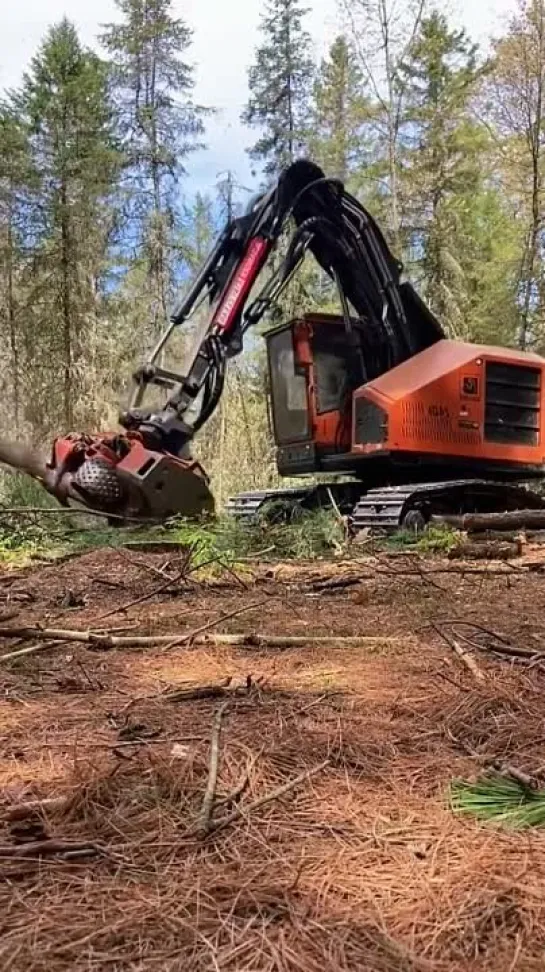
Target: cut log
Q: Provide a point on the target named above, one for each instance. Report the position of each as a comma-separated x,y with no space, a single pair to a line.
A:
491,550
506,536
513,520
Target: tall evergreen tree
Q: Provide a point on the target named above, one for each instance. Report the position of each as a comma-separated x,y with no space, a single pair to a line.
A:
199,231
64,108
14,183
443,156
280,83
514,106
160,126
340,112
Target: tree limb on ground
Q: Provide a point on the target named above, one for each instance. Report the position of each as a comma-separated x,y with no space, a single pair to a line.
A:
204,824
47,636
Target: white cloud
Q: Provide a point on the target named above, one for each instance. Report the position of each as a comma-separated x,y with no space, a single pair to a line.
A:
225,36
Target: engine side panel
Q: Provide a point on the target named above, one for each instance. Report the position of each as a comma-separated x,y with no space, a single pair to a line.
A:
456,400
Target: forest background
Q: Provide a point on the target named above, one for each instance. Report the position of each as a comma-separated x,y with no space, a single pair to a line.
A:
100,231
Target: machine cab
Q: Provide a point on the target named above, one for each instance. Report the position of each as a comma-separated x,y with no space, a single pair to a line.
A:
314,367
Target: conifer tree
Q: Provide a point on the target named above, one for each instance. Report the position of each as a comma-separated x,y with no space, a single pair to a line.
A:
64,108
340,112
280,83
14,182
514,107
159,126
443,153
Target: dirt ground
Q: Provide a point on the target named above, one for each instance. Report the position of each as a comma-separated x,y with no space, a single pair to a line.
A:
359,862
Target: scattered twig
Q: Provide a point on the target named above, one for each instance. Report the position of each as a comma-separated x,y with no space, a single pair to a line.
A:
204,824
275,794
507,570
73,511
44,848
468,660
501,644
229,570
465,657
212,624
144,597
22,810
142,564
29,650
205,691
507,769
241,787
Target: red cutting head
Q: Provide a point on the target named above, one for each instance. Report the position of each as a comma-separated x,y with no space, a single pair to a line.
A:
118,476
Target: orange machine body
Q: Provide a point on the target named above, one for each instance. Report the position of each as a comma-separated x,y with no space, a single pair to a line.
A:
453,402
456,399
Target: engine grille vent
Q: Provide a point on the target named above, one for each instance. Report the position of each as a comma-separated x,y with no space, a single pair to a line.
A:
513,404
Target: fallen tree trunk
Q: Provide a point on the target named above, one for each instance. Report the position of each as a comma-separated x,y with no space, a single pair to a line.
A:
513,520
23,458
491,550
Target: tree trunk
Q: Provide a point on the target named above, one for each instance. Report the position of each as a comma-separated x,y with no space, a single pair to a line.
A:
535,128
68,410
392,127
12,324
512,520
159,258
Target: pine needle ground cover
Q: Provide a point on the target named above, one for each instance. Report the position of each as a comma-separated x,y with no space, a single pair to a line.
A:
330,844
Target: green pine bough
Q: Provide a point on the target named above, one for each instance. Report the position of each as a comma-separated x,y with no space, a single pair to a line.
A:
500,800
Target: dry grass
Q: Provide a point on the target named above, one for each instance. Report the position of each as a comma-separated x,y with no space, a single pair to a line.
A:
360,867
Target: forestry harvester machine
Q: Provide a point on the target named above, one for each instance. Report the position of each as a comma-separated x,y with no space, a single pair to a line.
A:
404,422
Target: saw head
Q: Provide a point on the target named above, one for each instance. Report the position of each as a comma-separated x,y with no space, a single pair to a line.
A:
118,476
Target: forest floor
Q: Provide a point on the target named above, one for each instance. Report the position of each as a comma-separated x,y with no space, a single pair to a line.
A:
360,862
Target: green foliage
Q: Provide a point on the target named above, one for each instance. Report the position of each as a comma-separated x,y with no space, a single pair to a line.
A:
513,102
306,537
434,539
279,83
499,800
65,113
338,139
159,126
212,543
20,490
442,154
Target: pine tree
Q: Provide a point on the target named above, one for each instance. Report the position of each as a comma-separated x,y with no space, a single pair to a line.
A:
64,107
14,182
199,231
340,112
443,152
514,106
280,83
160,126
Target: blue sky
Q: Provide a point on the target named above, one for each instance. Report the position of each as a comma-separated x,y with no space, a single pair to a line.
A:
225,36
